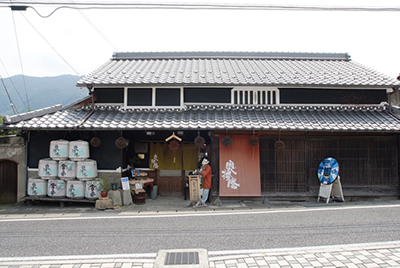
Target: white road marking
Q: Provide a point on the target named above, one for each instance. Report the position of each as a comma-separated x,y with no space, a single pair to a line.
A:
79,257
152,256
298,250
200,214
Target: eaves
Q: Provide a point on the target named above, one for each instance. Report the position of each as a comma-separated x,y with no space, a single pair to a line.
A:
277,85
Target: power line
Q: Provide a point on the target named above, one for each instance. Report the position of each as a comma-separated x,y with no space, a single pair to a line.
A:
97,29
51,46
20,61
12,82
9,97
195,6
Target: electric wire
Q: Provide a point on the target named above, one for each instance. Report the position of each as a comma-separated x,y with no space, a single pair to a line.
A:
96,29
209,6
9,97
228,7
12,82
20,61
194,6
50,45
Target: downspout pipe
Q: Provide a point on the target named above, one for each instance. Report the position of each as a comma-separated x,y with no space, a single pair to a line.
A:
26,162
395,90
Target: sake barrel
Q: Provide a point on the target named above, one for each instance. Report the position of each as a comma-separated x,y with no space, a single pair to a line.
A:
86,169
59,150
37,187
55,188
47,168
67,169
78,150
92,189
75,189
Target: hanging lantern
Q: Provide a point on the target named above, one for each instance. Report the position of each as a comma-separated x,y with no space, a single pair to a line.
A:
253,141
199,141
95,142
121,143
174,145
227,141
279,145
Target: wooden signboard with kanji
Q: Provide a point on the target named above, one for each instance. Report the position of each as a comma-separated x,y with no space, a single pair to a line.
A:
194,189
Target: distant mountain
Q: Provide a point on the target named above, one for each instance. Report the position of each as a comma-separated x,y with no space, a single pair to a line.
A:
42,92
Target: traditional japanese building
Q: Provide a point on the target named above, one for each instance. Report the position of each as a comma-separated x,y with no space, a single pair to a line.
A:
264,120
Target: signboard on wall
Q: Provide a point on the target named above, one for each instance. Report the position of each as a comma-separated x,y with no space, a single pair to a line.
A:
239,167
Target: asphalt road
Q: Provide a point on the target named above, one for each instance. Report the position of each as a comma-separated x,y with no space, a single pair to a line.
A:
127,235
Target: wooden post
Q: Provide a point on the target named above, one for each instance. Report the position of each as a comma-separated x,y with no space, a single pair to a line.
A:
214,164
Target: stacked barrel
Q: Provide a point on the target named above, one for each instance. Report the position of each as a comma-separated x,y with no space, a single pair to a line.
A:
67,173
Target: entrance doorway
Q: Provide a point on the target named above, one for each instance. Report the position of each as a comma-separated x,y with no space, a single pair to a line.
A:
171,182
8,181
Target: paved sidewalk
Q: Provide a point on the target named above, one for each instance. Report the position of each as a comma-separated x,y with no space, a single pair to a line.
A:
386,254
167,205
358,255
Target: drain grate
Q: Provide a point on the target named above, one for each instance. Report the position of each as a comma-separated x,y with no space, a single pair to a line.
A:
181,258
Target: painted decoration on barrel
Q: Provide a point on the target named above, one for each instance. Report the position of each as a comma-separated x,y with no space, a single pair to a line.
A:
37,187
56,188
75,189
328,170
47,169
59,149
92,189
79,150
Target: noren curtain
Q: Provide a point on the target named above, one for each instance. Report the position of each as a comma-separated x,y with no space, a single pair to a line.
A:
162,157
239,167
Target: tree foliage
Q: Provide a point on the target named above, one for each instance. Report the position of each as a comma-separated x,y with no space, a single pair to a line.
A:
6,132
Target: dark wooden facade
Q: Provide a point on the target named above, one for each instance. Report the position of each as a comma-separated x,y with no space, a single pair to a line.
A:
367,164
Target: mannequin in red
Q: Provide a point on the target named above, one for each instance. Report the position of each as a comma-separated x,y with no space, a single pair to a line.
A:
206,173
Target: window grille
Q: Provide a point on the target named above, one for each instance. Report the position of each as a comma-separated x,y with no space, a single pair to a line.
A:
255,96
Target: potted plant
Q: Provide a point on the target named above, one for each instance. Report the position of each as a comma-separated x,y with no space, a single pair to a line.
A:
113,177
105,186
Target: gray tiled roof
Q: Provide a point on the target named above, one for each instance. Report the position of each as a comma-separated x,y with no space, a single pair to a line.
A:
235,68
8,119
214,117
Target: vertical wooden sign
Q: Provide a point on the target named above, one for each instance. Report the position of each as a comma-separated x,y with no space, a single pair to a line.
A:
194,188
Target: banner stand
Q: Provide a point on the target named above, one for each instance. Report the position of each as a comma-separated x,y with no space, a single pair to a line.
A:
331,191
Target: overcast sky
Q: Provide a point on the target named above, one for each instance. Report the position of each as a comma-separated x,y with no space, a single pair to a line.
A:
371,38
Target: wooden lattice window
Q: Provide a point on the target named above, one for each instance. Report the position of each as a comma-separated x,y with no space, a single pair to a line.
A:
255,96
